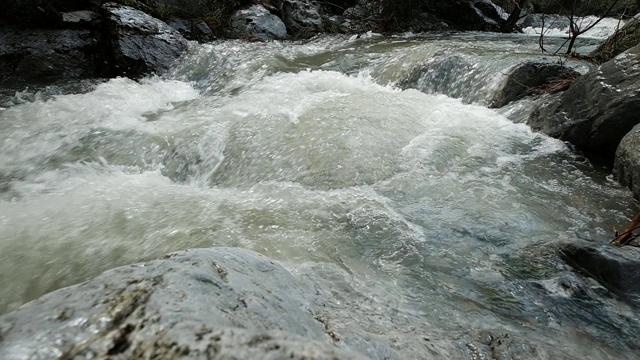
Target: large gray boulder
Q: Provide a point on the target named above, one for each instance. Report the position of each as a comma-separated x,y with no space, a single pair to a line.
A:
139,43
302,17
531,78
199,304
626,167
229,303
257,23
597,110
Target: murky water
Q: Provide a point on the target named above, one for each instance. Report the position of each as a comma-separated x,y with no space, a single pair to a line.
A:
427,203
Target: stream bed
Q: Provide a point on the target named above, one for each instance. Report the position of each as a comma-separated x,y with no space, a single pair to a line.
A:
410,198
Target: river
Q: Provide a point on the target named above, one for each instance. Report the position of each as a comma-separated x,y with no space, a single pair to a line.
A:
422,204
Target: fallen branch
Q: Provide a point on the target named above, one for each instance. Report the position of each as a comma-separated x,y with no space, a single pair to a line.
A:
627,234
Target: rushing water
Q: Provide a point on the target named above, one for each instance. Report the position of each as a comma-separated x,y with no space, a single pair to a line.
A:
427,203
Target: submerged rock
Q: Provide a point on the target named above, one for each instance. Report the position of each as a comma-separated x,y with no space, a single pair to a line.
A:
617,269
138,43
257,22
533,78
5,183
598,109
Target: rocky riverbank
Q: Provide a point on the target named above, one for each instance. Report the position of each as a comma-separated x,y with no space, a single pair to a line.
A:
55,42
50,42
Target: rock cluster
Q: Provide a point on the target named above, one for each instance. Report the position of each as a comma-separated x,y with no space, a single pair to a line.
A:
117,40
49,41
598,109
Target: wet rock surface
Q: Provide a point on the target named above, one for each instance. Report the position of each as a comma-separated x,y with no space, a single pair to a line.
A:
200,304
196,30
228,303
626,168
360,18
532,78
257,23
479,15
45,56
78,18
598,109
138,43
617,269
303,17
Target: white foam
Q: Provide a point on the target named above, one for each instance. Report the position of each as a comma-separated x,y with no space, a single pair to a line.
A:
605,28
39,128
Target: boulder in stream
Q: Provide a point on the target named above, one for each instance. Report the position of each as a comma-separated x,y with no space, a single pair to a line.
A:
230,303
139,43
626,167
199,304
258,23
532,78
598,109
617,269
303,17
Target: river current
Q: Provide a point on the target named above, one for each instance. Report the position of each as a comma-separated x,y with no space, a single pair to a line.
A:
370,165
